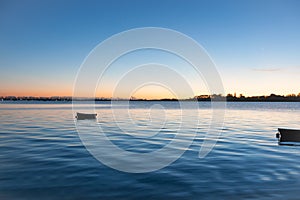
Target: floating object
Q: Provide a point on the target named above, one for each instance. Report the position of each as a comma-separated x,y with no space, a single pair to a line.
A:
288,136
81,116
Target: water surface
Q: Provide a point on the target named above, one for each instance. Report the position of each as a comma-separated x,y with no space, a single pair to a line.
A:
42,156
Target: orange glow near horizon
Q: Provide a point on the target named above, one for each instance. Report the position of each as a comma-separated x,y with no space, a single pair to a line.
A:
144,93
36,92
147,92
153,92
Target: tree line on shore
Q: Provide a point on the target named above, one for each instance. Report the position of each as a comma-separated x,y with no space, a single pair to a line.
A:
242,98
215,97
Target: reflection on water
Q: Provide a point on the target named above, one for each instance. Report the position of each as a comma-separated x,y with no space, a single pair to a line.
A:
43,157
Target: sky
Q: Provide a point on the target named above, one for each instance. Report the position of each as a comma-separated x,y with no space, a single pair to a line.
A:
254,44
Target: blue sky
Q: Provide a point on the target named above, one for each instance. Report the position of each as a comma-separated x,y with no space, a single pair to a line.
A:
255,44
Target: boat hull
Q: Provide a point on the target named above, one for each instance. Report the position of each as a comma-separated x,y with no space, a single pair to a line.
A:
289,137
82,116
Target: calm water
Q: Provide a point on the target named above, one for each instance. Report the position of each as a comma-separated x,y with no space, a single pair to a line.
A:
42,156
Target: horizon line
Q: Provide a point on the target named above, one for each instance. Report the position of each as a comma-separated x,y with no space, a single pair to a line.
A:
142,98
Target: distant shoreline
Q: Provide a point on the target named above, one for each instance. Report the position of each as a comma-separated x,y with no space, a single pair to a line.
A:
201,98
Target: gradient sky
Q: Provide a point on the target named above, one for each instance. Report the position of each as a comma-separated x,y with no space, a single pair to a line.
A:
255,44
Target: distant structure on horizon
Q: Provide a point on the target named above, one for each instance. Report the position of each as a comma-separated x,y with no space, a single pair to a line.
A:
215,97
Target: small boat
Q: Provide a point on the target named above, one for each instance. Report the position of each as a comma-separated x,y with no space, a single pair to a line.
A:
81,116
288,136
